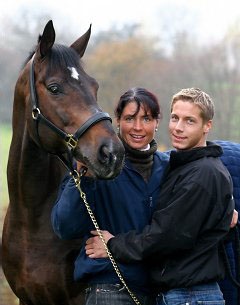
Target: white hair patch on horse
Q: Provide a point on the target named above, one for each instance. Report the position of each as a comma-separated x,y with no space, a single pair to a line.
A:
74,72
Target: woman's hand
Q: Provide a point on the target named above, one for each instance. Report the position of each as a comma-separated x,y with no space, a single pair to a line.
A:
94,245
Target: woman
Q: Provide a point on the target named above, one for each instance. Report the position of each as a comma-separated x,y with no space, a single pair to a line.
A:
123,204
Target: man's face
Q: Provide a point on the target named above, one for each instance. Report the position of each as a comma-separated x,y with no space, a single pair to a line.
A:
186,126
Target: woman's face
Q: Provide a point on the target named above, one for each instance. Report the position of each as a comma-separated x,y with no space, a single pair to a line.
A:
136,130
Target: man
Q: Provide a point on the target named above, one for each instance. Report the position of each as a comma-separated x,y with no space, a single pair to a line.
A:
194,213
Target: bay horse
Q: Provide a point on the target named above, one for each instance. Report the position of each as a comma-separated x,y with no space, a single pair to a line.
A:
56,117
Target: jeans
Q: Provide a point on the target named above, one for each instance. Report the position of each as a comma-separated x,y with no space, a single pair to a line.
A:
207,294
114,294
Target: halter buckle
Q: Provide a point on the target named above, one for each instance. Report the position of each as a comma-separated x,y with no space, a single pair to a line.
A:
71,141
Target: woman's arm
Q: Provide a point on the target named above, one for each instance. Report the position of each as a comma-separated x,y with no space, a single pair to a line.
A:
69,216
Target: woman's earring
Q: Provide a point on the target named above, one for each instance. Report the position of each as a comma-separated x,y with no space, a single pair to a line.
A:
156,129
118,128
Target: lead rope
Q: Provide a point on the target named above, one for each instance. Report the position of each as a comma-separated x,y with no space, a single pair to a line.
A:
76,176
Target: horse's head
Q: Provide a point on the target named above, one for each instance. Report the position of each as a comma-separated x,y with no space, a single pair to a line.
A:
63,101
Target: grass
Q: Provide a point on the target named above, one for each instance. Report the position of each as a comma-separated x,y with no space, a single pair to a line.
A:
7,296
5,139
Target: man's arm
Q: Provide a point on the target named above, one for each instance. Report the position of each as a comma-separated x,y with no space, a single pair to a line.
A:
96,249
173,228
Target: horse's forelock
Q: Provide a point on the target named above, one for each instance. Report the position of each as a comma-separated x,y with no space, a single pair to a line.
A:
62,57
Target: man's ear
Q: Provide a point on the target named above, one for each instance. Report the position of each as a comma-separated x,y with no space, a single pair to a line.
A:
207,126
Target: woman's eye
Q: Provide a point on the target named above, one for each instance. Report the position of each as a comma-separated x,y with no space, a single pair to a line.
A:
54,89
147,119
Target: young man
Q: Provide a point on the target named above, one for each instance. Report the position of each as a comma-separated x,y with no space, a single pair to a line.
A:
183,242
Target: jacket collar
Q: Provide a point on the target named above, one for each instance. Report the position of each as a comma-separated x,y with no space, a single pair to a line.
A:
181,157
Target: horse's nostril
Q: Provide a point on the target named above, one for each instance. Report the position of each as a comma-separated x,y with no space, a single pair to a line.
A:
105,155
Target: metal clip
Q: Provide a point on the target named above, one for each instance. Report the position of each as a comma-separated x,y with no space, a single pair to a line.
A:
76,177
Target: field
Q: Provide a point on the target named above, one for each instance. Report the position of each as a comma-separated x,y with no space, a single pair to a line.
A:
7,297
5,139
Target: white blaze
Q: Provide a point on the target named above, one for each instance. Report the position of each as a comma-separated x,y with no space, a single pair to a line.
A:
74,72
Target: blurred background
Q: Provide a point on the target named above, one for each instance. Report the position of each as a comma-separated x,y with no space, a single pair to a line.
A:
162,45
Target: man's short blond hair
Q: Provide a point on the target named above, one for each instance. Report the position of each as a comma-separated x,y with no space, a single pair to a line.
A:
198,97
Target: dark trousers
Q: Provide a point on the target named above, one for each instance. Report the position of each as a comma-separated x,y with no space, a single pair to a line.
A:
114,294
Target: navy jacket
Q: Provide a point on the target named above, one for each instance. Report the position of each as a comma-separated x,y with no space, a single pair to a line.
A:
119,205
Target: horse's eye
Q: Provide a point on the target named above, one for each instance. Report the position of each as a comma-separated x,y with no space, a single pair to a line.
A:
54,88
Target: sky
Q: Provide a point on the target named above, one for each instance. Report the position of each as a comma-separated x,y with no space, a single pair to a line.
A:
208,19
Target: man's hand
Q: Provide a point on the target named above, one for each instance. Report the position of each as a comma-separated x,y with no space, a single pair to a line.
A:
94,245
234,219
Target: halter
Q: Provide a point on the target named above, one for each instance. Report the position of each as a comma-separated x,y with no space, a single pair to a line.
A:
70,139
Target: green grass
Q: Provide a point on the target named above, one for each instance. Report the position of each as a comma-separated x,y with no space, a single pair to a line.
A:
7,296
5,139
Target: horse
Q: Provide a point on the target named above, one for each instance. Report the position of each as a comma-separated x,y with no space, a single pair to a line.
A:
53,96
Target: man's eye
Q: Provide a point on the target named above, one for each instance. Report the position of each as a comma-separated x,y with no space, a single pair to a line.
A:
173,118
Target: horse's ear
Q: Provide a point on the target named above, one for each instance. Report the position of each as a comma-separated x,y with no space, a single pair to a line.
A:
81,43
47,39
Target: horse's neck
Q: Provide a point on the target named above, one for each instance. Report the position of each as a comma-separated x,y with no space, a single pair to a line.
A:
33,174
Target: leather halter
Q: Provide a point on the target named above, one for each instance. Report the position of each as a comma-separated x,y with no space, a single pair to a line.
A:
70,139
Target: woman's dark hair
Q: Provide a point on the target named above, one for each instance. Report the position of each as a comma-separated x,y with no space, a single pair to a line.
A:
143,98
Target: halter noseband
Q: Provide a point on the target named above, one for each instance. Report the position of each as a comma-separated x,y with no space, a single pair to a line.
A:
70,139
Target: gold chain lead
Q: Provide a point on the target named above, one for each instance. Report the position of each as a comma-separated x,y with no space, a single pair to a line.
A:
76,178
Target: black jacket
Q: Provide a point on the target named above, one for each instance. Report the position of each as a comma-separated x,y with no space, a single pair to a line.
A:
194,213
